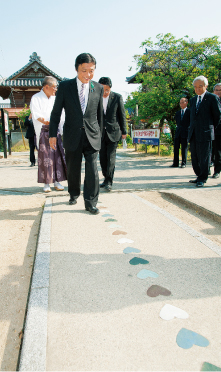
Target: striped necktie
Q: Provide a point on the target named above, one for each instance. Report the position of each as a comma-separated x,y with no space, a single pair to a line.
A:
82,98
198,104
182,113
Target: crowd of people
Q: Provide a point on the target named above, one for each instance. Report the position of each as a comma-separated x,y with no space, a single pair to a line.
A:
92,120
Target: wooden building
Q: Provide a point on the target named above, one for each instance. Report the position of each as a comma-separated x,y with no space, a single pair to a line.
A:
23,84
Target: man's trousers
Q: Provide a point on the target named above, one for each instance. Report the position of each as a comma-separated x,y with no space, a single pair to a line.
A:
201,158
91,180
108,158
177,142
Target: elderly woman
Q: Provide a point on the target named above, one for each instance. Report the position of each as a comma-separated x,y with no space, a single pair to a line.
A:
51,162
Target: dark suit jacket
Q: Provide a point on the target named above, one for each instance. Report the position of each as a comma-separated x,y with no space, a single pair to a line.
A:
92,120
218,127
203,122
30,128
115,118
182,125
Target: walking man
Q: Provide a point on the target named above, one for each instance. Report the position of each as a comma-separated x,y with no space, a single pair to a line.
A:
205,113
82,99
114,128
217,142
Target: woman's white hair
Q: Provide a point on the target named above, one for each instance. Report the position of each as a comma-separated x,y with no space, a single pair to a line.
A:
201,78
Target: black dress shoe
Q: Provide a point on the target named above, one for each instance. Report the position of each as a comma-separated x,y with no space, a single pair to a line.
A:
199,184
193,181
183,166
108,187
174,166
216,175
32,165
72,201
103,184
92,210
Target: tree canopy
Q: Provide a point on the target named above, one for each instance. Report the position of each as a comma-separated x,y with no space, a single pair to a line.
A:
166,72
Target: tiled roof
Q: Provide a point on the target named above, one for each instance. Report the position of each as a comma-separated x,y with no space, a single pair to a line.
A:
34,58
22,83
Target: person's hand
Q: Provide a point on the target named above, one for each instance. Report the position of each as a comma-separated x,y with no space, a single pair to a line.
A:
46,122
53,142
124,136
30,116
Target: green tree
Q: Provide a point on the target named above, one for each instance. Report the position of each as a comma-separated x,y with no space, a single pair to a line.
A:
166,72
23,113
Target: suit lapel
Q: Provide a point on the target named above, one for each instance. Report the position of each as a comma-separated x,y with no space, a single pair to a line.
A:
74,91
110,100
89,97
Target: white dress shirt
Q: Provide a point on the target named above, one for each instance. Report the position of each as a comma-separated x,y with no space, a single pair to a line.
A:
41,107
86,92
202,95
105,102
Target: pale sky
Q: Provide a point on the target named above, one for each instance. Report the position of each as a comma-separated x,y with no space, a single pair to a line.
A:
111,31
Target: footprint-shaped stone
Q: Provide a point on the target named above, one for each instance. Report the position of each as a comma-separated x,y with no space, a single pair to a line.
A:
143,274
169,312
131,250
124,240
209,367
118,232
110,220
156,290
138,261
107,215
114,226
186,339
103,210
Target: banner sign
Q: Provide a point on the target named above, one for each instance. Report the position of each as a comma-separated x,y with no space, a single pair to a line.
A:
6,123
147,136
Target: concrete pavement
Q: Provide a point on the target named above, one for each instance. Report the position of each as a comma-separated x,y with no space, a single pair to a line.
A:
88,307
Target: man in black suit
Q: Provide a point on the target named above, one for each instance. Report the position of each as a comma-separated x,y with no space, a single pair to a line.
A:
217,142
182,118
81,99
30,135
114,127
205,112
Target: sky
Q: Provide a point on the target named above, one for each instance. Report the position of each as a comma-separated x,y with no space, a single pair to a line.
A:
112,31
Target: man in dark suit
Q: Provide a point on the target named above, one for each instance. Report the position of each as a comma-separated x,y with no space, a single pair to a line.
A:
182,118
217,142
30,135
114,127
205,112
82,100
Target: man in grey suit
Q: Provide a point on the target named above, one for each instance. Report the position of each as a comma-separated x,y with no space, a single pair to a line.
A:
205,113
114,128
81,99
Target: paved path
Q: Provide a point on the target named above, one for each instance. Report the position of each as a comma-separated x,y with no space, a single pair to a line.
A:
88,308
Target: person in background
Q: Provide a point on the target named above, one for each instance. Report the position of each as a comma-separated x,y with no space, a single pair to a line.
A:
217,141
30,135
205,113
51,162
114,127
182,118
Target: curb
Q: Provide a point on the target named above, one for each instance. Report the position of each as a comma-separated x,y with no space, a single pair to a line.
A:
33,351
206,212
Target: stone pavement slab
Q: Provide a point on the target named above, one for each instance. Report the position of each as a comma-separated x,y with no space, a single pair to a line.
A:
99,314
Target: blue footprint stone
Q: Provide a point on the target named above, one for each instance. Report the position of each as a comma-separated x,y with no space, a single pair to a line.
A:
186,339
131,250
143,274
138,261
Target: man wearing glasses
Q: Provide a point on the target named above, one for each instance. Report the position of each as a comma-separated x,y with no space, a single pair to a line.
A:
51,162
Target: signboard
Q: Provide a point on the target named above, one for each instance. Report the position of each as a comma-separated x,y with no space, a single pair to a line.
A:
6,122
147,136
